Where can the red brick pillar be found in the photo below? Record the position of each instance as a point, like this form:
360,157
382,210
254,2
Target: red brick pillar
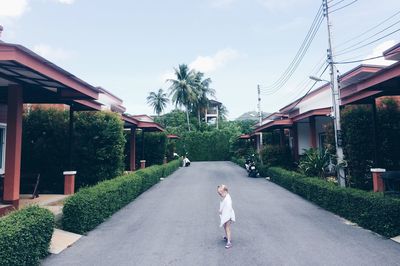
142,164
13,147
132,162
377,180
69,182
313,133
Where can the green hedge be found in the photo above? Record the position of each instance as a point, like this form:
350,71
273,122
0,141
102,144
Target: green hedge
370,210
91,206
98,150
206,146
25,236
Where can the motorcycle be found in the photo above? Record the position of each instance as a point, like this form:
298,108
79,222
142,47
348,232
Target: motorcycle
250,166
252,172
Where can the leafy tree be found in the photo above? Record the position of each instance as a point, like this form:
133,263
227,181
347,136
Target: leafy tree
158,100
183,88
203,92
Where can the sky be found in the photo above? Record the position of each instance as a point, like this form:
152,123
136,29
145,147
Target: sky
131,47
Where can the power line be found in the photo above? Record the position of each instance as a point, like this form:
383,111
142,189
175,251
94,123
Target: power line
303,46
339,8
366,39
368,30
336,3
365,59
380,38
309,90
293,68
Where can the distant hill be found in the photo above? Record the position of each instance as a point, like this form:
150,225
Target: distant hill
252,115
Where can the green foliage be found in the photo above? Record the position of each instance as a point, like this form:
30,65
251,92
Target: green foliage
314,162
91,206
275,155
388,134
370,210
25,236
99,147
158,101
358,144
97,150
206,146
44,147
358,136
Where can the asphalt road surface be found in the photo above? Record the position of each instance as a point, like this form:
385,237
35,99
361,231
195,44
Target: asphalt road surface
176,223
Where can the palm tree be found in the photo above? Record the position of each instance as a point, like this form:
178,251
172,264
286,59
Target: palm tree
203,92
158,101
182,89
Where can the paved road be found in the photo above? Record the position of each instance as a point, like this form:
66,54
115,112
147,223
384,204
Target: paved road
176,223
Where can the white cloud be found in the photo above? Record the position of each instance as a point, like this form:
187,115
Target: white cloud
13,8
51,53
211,63
207,64
377,51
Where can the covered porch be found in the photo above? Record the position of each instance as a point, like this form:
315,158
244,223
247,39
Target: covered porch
26,77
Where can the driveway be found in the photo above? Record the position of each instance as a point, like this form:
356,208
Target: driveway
176,223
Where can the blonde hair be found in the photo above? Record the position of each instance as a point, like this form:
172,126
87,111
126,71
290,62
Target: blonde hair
223,187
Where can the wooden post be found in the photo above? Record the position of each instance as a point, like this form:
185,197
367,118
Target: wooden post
132,161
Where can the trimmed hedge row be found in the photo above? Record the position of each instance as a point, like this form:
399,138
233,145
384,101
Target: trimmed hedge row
25,236
91,206
370,210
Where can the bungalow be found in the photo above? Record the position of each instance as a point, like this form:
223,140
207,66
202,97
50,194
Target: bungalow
27,81
303,122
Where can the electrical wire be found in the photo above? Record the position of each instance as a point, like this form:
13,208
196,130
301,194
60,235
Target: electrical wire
371,42
366,39
339,8
368,30
309,90
365,59
294,67
304,46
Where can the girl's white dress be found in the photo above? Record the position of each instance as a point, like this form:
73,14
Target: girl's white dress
226,211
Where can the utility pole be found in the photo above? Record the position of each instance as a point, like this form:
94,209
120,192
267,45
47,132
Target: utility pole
335,100
259,115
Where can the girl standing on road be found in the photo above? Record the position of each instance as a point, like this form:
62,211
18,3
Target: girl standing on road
226,213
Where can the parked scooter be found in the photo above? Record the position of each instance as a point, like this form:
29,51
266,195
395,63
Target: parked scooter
250,166
252,172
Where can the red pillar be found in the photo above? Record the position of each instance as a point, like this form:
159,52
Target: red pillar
377,180
69,182
313,132
132,161
13,146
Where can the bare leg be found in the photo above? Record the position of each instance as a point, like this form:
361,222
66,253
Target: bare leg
226,234
227,227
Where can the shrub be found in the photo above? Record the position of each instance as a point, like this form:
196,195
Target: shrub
275,155
358,144
44,147
369,210
25,236
314,163
155,148
92,205
206,146
97,150
99,147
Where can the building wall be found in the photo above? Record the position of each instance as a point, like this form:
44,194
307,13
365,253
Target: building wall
321,100
3,113
303,132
